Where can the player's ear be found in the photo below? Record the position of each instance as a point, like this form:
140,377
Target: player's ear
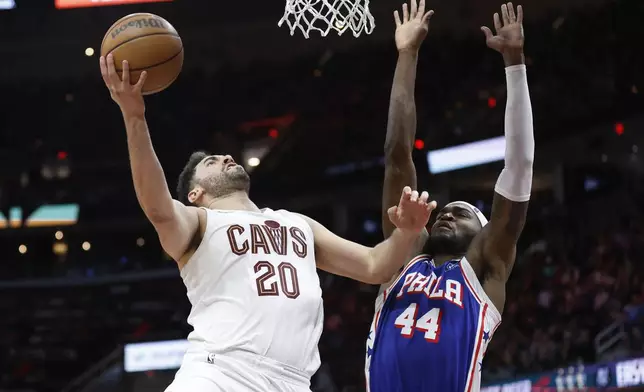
195,194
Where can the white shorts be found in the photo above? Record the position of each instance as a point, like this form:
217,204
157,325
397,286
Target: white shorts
231,372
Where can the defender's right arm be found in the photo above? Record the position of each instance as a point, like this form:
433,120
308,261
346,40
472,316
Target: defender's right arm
176,224
401,126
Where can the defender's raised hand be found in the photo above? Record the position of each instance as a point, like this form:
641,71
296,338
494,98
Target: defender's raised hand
127,96
413,28
509,32
412,212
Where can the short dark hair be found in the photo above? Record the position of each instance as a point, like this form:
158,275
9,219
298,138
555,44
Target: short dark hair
187,176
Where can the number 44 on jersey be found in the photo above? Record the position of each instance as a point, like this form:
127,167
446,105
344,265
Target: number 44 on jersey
429,323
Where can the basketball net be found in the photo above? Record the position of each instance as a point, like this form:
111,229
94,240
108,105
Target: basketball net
324,15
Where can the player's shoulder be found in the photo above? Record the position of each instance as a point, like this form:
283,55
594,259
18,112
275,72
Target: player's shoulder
424,258
281,212
292,217
419,258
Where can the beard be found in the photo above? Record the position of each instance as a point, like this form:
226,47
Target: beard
441,243
223,184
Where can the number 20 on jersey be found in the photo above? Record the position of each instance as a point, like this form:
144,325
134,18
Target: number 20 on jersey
270,282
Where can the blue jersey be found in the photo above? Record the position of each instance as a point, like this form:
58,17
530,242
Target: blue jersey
430,330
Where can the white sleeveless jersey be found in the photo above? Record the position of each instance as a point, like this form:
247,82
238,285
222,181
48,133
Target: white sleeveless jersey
253,286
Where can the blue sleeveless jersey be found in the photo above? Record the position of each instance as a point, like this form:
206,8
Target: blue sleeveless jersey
430,330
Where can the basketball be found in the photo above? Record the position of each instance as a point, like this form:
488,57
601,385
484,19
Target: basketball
149,43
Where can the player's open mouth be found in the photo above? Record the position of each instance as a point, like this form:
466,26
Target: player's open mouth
230,165
445,226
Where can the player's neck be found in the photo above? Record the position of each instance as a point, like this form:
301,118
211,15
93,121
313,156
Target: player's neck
442,259
234,201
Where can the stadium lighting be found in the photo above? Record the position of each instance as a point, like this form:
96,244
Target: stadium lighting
253,161
7,4
60,248
619,129
89,52
466,155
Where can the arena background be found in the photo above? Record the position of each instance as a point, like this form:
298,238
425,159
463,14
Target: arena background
83,280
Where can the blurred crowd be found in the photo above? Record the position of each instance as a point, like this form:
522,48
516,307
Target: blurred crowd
578,272
584,275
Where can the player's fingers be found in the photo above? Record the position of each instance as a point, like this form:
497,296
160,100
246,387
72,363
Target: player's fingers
125,76
413,5
421,9
141,81
397,18
392,212
406,194
519,14
511,15
424,197
504,14
431,206
405,13
497,22
103,65
487,32
428,16
111,71
414,197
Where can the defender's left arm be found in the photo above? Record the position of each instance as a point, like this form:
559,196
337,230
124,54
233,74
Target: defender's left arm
512,190
495,247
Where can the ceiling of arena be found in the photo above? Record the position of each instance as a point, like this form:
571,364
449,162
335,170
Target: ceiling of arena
327,97
35,34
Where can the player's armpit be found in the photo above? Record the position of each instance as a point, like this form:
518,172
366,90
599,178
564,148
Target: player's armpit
368,265
495,247
179,233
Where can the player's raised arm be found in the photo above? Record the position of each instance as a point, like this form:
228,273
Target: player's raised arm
411,30
496,245
175,223
378,264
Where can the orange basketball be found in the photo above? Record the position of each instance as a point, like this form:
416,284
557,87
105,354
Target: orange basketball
149,43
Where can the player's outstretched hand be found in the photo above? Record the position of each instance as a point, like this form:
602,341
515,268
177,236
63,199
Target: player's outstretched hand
128,96
509,30
412,212
412,29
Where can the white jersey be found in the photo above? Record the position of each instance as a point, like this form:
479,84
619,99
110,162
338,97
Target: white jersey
254,288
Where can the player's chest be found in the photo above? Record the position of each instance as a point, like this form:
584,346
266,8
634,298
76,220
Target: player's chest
423,283
432,304
273,259
265,238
